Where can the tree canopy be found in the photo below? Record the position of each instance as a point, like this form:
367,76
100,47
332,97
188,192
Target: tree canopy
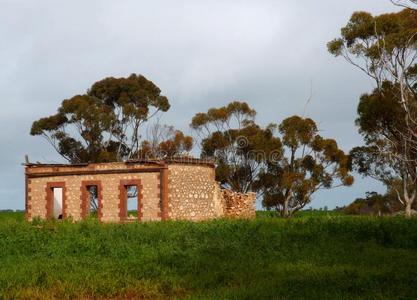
285,164
385,48
240,146
309,163
164,141
382,46
104,123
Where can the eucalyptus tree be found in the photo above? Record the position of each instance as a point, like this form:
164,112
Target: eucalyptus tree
385,48
309,163
104,123
285,165
240,147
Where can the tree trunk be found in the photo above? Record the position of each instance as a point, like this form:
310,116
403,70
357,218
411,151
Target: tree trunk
408,209
286,209
408,202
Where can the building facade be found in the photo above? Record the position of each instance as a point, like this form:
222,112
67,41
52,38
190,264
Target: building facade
182,189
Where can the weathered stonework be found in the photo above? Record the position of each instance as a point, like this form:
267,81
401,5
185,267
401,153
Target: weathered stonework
175,189
238,205
191,192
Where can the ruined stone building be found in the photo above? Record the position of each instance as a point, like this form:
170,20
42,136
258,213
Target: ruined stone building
158,190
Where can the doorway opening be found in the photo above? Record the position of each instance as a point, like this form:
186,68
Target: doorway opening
55,200
57,194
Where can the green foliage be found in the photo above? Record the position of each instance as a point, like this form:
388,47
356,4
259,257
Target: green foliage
385,48
285,170
377,204
309,163
381,121
240,146
239,112
103,124
374,204
308,257
370,36
379,113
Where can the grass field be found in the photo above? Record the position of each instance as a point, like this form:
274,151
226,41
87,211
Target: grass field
313,256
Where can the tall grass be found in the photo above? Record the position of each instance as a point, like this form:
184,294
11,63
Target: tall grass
325,257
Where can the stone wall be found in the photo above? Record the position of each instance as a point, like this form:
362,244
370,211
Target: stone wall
110,194
238,205
195,195
191,191
218,200
176,190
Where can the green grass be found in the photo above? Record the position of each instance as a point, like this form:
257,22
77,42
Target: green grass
325,256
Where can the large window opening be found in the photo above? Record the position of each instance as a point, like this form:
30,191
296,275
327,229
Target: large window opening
132,202
57,194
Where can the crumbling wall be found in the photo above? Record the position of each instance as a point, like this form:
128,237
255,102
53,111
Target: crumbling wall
238,205
218,201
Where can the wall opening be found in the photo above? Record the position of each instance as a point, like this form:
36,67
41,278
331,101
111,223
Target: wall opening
91,196
55,200
57,194
92,199
132,200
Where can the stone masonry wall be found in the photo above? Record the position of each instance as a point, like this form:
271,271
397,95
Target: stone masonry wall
218,201
193,193
150,200
191,190
239,205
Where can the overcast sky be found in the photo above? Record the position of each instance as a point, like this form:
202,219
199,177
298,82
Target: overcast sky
200,53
